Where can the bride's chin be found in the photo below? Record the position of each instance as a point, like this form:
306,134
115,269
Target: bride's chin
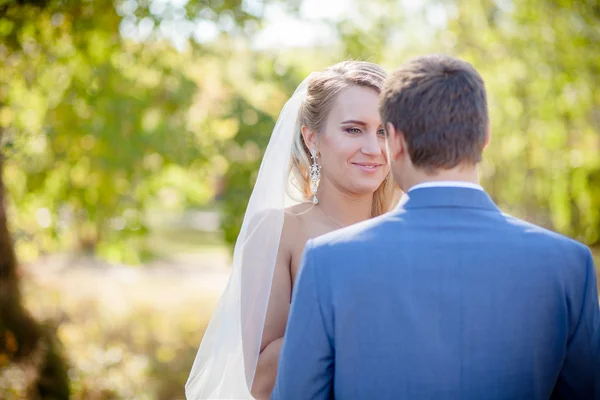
367,188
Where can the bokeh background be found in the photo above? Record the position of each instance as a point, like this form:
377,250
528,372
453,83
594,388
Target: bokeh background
132,130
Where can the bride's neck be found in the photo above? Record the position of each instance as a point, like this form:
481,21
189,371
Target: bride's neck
342,207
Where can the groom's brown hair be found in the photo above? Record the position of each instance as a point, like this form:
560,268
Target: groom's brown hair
439,104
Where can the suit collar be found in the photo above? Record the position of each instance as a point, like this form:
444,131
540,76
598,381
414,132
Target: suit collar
428,197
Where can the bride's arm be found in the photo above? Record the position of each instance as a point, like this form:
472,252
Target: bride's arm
275,321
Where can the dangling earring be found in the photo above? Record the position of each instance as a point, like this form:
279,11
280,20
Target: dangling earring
315,176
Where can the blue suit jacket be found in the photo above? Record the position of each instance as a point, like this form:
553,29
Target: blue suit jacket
444,298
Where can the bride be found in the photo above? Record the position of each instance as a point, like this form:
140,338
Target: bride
325,168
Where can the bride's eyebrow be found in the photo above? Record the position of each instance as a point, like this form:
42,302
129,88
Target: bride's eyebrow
353,121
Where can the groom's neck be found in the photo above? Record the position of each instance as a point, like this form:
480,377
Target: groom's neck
458,174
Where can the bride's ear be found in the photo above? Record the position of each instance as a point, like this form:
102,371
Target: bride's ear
310,137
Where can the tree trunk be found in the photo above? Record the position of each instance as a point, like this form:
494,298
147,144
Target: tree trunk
19,333
23,341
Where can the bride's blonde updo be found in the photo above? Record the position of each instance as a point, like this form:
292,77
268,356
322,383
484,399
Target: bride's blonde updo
322,92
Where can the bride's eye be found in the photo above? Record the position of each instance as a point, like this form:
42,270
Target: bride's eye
382,132
354,131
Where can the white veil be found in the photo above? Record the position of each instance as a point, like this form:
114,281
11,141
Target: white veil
226,361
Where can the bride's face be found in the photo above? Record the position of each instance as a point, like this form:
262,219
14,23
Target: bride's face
352,145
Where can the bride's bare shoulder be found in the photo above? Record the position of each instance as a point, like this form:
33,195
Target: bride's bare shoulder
295,215
298,210
293,222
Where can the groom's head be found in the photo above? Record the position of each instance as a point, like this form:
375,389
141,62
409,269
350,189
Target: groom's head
435,112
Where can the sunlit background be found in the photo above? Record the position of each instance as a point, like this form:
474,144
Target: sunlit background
132,131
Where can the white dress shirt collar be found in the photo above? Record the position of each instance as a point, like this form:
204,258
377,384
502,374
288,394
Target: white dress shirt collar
446,184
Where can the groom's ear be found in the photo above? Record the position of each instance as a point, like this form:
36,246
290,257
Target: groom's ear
488,135
309,136
395,141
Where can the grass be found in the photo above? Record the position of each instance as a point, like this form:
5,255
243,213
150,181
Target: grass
131,332
126,337
168,241
169,234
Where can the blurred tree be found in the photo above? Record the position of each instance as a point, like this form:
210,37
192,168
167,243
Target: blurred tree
255,117
95,123
95,128
104,120
540,63
22,339
368,32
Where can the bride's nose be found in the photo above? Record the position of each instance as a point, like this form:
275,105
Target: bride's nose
371,145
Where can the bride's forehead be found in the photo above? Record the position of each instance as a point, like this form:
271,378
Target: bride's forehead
356,103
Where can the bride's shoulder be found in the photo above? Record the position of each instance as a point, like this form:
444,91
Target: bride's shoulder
293,221
293,218
296,214
298,209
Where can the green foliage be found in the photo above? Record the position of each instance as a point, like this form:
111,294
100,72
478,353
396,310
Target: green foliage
539,63
367,35
100,131
256,116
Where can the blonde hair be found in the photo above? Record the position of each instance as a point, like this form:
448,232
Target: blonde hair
321,94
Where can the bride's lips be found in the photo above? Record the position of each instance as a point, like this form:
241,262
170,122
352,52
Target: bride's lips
368,167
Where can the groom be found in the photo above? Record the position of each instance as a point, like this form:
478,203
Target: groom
446,297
